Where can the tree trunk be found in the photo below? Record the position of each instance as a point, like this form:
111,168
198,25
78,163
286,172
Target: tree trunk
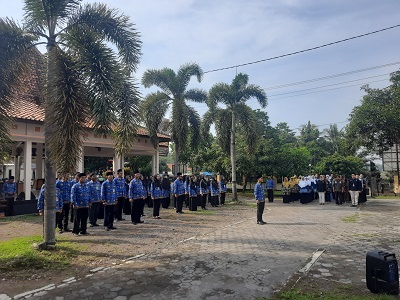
233,157
176,158
49,231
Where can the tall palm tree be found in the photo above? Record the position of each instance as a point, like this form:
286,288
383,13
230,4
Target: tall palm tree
174,93
84,79
333,136
237,114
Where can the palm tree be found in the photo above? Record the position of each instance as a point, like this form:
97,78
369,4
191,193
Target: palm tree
84,79
174,93
237,114
333,136
308,133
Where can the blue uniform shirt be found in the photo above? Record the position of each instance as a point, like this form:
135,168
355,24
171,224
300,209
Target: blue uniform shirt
178,187
192,190
108,194
80,195
156,191
95,191
136,189
270,184
59,202
65,190
259,192
214,191
9,188
222,187
120,187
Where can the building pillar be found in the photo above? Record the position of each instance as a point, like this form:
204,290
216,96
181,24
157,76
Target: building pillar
80,163
156,162
27,169
39,161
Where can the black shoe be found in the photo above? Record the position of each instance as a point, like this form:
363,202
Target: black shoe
216,206
141,222
134,223
84,233
122,219
263,222
107,229
91,225
96,225
113,227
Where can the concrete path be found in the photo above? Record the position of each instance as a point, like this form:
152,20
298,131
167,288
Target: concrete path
241,260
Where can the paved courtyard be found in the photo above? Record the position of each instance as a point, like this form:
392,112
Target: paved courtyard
243,260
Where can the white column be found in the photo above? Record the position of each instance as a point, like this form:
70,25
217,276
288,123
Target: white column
27,169
39,161
156,162
80,164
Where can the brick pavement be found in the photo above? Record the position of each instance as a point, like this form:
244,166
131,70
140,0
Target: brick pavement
242,260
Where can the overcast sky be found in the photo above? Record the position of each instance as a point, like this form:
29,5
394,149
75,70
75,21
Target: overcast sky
223,33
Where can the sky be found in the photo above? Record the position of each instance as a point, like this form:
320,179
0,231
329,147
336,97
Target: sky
223,33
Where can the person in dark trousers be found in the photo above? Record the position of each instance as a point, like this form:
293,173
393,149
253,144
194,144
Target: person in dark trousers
156,192
222,189
109,199
120,190
59,207
166,189
260,199
338,188
95,193
193,193
65,185
179,192
214,191
136,197
321,189
270,186
9,190
355,188
204,191
81,201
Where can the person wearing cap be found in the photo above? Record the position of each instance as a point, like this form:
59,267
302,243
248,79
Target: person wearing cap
59,206
81,201
179,192
136,196
9,190
120,190
109,198
95,194
260,199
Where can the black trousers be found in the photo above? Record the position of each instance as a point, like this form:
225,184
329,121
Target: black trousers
174,198
187,200
339,197
179,202
150,202
136,210
142,203
127,207
165,202
119,207
260,211
59,219
214,200
10,206
109,211
203,200
80,219
222,198
270,195
193,203
156,207
94,212
66,209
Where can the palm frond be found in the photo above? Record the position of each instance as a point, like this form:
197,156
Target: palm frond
248,125
254,91
164,78
195,125
223,121
206,122
196,95
180,115
66,110
112,26
185,73
128,98
220,93
240,81
153,109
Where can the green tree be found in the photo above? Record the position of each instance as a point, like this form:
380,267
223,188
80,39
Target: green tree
237,114
333,135
174,92
84,79
341,165
308,133
293,161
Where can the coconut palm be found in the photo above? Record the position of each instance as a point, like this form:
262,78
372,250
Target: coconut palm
174,94
91,51
236,116
333,135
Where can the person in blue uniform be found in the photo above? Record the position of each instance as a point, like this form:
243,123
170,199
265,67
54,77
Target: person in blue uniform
65,185
204,191
214,191
179,193
166,189
222,189
156,192
260,200
9,190
192,189
109,198
59,207
95,194
270,186
136,197
81,201
120,190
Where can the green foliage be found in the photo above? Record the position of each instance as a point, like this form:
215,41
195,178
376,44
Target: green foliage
141,163
297,294
341,165
293,161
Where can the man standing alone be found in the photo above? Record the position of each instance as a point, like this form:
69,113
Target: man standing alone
260,200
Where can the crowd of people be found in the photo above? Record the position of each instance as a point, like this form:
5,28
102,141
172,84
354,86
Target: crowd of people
85,198
325,188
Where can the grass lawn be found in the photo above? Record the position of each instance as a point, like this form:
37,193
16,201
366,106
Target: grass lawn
19,254
333,295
